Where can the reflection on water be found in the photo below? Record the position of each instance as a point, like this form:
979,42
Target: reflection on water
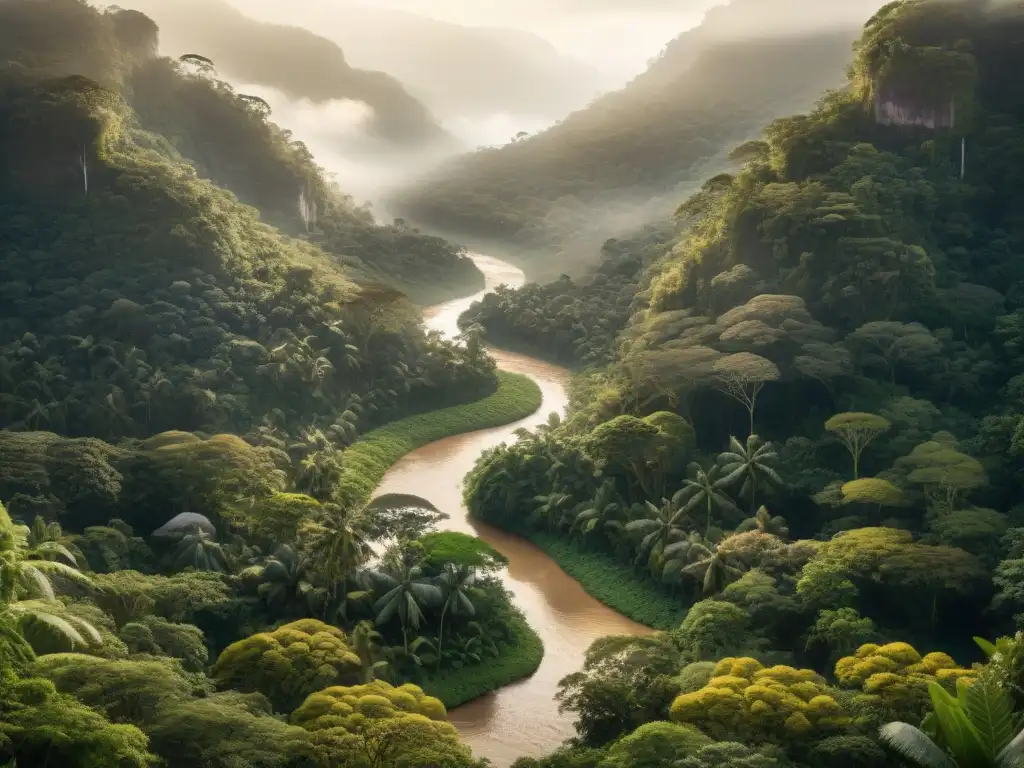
521,719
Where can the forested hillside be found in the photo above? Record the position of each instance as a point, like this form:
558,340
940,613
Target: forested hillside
575,321
298,62
554,197
230,139
810,432
192,571
215,317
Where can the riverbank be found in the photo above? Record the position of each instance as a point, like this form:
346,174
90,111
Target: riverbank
518,659
365,462
614,584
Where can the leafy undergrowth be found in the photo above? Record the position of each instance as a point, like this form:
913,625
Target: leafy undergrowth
614,584
518,659
366,461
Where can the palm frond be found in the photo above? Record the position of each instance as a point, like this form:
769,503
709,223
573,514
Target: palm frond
1012,755
913,745
642,525
731,476
387,609
61,569
56,548
39,581
87,629
428,593
50,623
677,548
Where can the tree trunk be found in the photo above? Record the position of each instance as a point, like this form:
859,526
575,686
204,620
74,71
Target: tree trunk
440,636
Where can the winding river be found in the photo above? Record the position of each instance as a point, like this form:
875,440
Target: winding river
521,719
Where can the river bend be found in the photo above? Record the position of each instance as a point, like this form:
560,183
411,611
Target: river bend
521,719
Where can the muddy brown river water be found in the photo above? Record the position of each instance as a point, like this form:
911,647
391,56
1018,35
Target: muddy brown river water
521,719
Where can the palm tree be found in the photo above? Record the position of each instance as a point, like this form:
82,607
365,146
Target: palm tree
660,526
407,592
46,541
284,583
466,650
27,599
710,568
750,463
680,554
197,549
601,513
455,582
763,522
419,653
700,490
977,729
339,543
550,508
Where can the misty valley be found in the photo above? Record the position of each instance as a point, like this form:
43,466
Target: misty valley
451,384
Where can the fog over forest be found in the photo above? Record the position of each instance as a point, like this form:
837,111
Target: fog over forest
485,71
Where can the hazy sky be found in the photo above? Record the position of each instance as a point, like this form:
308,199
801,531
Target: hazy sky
616,36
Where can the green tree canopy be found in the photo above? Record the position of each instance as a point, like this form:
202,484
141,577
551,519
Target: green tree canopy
856,431
289,663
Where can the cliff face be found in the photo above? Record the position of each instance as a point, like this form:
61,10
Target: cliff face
895,108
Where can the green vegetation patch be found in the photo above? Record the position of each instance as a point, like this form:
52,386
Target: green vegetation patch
462,549
614,584
518,659
366,461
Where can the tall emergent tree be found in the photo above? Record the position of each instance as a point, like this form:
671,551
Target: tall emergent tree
856,431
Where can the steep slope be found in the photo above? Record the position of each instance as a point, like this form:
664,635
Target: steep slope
229,138
836,341
457,71
622,159
139,297
300,63
863,215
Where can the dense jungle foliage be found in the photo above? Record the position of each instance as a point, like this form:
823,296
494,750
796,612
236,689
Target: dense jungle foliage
575,322
216,321
228,138
700,97
188,576
809,433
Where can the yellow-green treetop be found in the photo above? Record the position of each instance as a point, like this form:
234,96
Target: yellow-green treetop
872,490
376,725
288,664
762,704
349,707
856,431
892,679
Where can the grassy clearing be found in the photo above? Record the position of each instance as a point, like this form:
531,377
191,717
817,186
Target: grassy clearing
517,660
366,460
614,584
